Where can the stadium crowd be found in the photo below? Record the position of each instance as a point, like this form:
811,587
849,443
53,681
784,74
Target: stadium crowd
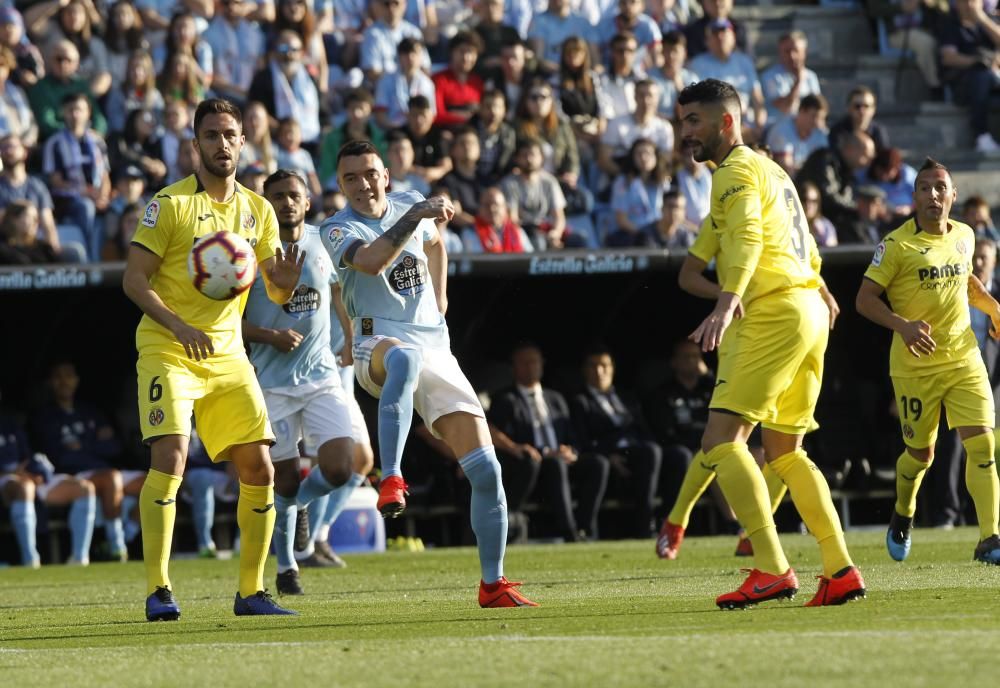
550,124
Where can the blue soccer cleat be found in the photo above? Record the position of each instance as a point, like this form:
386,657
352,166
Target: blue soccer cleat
161,606
259,604
897,538
988,551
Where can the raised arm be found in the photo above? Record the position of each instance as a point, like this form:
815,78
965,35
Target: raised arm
916,334
981,299
437,264
281,273
374,258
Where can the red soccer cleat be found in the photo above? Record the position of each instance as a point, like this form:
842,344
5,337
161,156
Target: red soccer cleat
744,548
392,496
502,593
845,586
760,587
668,542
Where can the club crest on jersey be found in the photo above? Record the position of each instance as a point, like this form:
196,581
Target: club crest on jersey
152,214
908,431
249,221
156,416
879,254
304,303
336,237
960,247
408,276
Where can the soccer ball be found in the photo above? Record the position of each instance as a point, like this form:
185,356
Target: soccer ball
222,265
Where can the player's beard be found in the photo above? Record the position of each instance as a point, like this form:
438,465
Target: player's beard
214,168
706,150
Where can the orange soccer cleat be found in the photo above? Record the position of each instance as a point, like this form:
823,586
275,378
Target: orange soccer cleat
844,586
668,542
392,493
760,587
502,593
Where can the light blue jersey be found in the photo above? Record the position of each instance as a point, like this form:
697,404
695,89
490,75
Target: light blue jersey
337,337
308,313
399,302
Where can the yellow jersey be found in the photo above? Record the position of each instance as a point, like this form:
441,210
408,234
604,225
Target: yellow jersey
763,234
176,217
926,277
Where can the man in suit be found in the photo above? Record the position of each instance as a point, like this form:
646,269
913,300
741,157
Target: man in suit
537,446
610,424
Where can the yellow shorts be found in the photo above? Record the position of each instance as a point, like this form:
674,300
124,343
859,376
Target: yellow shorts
771,363
222,393
964,392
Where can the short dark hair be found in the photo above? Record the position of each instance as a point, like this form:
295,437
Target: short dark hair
672,193
470,38
418,102
396,135
932,164
973,201
675,37
814,101
216,106
711,92
491,92
464,130
359,95
283,174
597,349
861,90
526,143
622,37
71,98
525,345
409,45
354,148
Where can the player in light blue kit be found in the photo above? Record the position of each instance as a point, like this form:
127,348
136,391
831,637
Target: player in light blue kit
298,373
393,269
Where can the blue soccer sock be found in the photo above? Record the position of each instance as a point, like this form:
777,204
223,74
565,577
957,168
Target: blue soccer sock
395,406
284,531
114,532
335,505
81,526
489,509
313,487
24,520
201,488
129,503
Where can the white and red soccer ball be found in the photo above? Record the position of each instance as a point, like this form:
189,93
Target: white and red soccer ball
222,265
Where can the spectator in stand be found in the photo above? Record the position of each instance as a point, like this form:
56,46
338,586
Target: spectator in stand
30,66
16,116
381,38
535,199
129,190
452,241
394,90
673,230
860,117
494,230
78,22
579,96
400,165
61,80
912,25
832,171
187,159
19,242
176,128
298,16
157,15
518,13
632,18
976,213
695,182
820,226
669,15
75,163
788,81
889,173
549,31
17,185
724,62
258,147
512,76
497,138
672,76
179,81
874,220
206,481
430,148
136,91
78,440
457,88
794,138
637,194
237,49
123,36
970,59
183,38
350,18
644,123
609,424
714,10
536,446
118,242
287,91
23,479
290,155
495,35
616,88
138,145
253,176
357,127
463,182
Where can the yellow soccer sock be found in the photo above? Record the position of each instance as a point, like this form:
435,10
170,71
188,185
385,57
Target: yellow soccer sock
909,474
157,511
745,490
696,481
255,517
776,487
811,496
981,480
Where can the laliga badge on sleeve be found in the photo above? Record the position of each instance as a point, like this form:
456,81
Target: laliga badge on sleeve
152,213
879,254
336,237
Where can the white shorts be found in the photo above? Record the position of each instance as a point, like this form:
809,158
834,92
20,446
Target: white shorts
223,486
127,475
42,491
313,413
442,387
358,425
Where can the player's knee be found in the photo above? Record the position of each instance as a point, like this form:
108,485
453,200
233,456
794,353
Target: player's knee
286,477
364,459
403,362
86,488
926,454
21,490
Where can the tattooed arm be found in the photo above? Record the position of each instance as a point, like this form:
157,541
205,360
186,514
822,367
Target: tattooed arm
375,257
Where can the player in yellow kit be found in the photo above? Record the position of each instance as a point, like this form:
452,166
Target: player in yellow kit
925,269
773,364
191,356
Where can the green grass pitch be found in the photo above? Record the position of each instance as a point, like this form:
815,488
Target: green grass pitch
612,615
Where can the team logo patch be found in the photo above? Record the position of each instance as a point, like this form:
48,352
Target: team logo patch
249,221
879,254
336,237
367,327
408,277
960,247
156,416
908,431
151,215
304,303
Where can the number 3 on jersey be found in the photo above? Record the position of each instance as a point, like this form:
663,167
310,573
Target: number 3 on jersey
798,229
